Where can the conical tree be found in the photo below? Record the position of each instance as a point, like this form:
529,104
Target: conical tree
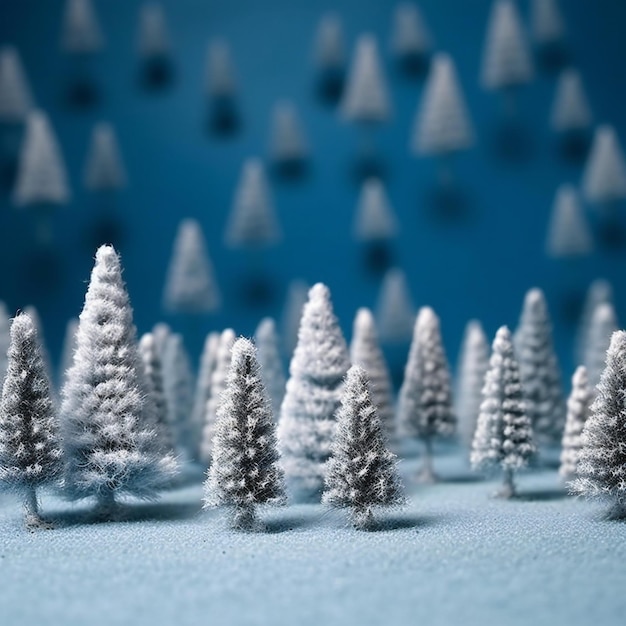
5,339
221,80
569,234
365,352
161,331
104,170
395,313
153,37
361,472
504,434
245,471
425,407
297,294
81,33
329,46
410,37
578,408
602,460
604,178
16,100
539,367
472,367
107,448
288,143
69,347
33,313
375,219
600,292
313,393
30,448
570,107
268,354
602,326
547,25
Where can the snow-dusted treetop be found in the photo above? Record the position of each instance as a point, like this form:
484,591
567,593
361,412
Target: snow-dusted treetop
287,142
410,35
442,124
366,97
604,179
104,168
153,38
190,285
395,313
41,176
292,312
546,21
506,55
570,108
568,232
15,96
221,80
329,48
375,219
81,32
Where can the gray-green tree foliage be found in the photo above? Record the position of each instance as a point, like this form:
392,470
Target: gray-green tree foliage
81,33
569,233
604,178
108,448
578,408
16,100
395,313
601,328
245,471
570,107
5,338
69,347
600,292
541,376
316,372
425,407
268,355
547,25
504,434
375,218
30,448
361,472
365,351
104,169
410,36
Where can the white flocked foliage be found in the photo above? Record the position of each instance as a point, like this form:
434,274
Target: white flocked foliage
366,352
41,173
190,285
506,55
104,168
33,313
366,97
30,447
16,100
287,142
268,354
601,328
81,33
253,221
361,472
395,313
569,233
375,218
570,108
221,79
245,471
329,47
547,25
297,294
442,124
5,337
578,408
472,367
410,36
318,366
602,459
604,178
504,434
153,38
539,367
69,347
161,331
600,292
108,449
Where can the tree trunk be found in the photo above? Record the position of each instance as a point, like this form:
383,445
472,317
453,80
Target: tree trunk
244,518
106,504
31,508
427,475
508,486
363,518
618,511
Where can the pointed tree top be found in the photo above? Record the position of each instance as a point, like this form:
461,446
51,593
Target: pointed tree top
81,30
329,51
546,22
287,141
570,108
410,35
375,219
15,96
220,72
604,178
426,317
154,39
474,333
364,320
535,302
503,338
242,349
568,233
105,169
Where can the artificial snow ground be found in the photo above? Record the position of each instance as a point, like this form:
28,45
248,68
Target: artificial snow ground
454,556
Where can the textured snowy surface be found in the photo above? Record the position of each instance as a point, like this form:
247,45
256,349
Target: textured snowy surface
454,556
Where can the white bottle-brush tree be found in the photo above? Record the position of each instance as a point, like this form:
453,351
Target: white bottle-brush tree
569,234
16,100
81,33
375,219
411,41
599,292
297,293
104,167
395,313
288,142
601,328
570,112
268,354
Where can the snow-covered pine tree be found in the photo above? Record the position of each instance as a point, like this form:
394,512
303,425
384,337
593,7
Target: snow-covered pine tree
245,471
375,218
539,367
395,313
472,366
602,459
604,178
570,107
365,351
317,369
578,407
218,385
297,294
569,233
410,37
107,448
601,328
504,434
361,472
288,143
252,222
104,169
33,313
425,407
268,354
221,80
30,448
5,339
600,292
67,353
547,25
161,331
190,286
329,47
153,38
16,100
81,33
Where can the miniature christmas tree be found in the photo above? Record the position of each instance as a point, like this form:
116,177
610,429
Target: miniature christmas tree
33,313
395,313
252,222
104,169
568,232
69,347
546,22
541,377
30,449
288,144
599,292
578,406
154,40
604,178
161,332
601,328
361,472
190,285
81,32
365,351
602,459
108,450
473,365
245,471
570,108
221,80
410,39
5,339
218,385
16,100
268,353
329,49
313,393
297,294
504,434
375,219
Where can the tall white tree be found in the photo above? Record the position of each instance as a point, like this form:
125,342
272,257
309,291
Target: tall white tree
395,313
604,178
410,37
221,79
153,40
570,107
268,355
600,292
33,313
81,32
297,294
104,167
375,218
547,25
69,347
569,233
288,143
601,328
5,338
329,45
16,100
